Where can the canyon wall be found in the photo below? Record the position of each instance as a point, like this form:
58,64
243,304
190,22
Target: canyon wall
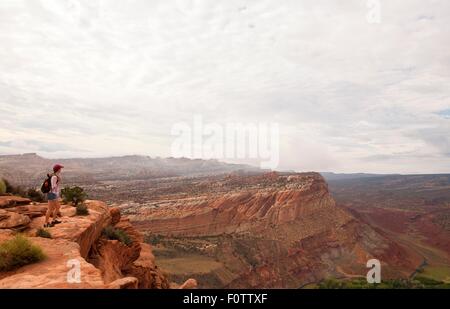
78,240
269,230
250,209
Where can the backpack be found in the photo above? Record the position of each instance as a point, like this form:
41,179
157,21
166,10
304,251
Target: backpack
47,185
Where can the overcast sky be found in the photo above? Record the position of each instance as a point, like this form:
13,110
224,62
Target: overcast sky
99,78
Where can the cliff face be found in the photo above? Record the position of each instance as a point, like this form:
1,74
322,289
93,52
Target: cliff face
255,231
103,263
255,204
266,231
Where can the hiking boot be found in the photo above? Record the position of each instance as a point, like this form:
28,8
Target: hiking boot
56,222
49,225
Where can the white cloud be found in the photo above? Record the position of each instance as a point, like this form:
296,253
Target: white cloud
113,77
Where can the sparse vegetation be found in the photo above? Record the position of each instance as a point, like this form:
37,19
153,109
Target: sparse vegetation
417,283
185,245
111,232
14,190
7,188
35,195
443,219
73,195
43,233
153,239
247,250
82,210
2,187
7,185
17,252
436,272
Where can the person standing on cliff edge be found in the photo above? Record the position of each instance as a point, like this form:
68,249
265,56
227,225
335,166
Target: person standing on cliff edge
53,197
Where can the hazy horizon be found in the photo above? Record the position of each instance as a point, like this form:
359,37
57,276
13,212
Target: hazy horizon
350,93
253,165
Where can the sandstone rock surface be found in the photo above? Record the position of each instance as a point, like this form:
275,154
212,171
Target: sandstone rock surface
265,231
11,201
77,242
53,271
13,220
32,211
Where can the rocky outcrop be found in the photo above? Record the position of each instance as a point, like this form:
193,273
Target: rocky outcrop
61,256
110,257
13,220
84,230
115,215
256,205
148,274
124,283
6,234
265,231
189,284
78,244
31,211
117,260
11,201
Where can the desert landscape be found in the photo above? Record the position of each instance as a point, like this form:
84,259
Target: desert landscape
414,210
224,153
236,226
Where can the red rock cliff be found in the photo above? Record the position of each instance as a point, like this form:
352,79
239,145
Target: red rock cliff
266,231
103,263
250,204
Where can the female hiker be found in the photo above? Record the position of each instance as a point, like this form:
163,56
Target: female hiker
53,197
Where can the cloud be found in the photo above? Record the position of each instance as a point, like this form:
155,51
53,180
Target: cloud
111,77
36,146
444,113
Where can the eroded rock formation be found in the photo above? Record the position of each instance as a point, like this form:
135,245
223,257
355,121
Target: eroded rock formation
76,241
269,230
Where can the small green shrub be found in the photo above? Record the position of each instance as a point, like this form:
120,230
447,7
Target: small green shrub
427,281
2,187
417,283
32,193
74,195
331,284
111,232
17,252
153,239
43,233
14,190
82,210
35,195
8,186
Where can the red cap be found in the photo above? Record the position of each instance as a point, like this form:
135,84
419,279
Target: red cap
57,167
